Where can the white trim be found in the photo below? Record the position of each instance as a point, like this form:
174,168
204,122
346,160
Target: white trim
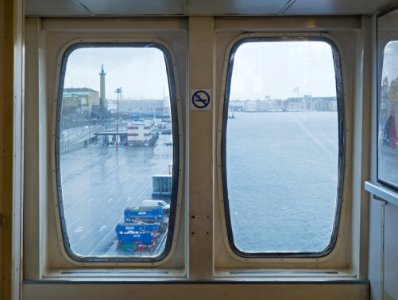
18,149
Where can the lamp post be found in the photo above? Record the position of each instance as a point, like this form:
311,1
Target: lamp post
118,92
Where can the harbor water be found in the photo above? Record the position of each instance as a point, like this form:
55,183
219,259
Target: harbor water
282,180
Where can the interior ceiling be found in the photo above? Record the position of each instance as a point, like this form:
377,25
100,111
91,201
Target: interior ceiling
60,8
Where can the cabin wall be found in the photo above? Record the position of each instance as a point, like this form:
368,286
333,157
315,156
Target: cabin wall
199,291
200,273
361,168
6,149
6,117
375,259
11,75
383,245
391,253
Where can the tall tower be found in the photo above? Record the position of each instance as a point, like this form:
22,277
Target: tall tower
102,89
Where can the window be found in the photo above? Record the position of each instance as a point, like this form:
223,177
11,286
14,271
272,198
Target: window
388,113
113,150
64,185
282,147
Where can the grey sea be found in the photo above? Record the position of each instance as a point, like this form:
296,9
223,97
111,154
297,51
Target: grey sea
282,180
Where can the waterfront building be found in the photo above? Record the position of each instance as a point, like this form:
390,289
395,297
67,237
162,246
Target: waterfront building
141,133
80,99
250,106
142,108
236,105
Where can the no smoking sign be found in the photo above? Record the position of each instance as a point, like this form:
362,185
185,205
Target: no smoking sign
200,99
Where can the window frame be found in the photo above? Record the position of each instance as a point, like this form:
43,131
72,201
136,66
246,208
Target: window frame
341,145
382,43
48,39
175,136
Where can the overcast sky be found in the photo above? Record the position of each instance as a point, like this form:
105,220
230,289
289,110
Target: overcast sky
275,69
390,62
282,70
140,72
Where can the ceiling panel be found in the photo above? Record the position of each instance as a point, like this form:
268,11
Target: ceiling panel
337,7
202,7
135,7
54,8
152,7
234,7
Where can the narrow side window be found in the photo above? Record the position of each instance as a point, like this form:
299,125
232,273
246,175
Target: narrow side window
117,152
387,163
283,147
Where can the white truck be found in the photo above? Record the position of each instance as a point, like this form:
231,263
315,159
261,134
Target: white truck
157,203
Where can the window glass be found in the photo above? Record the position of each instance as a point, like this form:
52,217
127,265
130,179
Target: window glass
281,147
388,113
116,152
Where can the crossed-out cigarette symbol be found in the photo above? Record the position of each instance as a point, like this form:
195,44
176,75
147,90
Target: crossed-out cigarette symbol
200,99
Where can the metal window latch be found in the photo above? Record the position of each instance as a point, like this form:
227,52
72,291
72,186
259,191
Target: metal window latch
378,198
381,193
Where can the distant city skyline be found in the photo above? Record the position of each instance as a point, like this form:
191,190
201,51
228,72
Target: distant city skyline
261,69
